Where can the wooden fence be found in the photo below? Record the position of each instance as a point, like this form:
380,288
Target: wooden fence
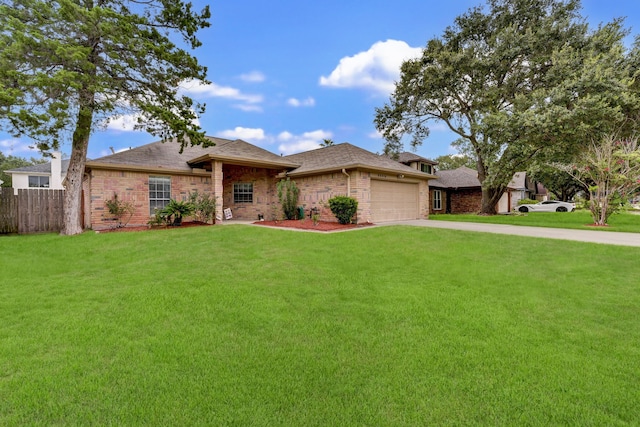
31,211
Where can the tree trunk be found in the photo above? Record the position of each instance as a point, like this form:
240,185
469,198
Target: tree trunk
490,199
490,196
73,182
73,191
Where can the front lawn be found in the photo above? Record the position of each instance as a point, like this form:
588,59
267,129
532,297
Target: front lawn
241,325
580,220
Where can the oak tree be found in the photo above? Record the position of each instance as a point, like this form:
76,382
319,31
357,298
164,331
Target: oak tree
521,80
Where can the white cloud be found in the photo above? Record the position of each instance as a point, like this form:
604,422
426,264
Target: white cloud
375,135
247,134
308,102
124,123
248,108
16,147
290,143
376,69
253,77
128,122
212,90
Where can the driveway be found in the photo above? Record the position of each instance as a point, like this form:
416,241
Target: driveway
605,237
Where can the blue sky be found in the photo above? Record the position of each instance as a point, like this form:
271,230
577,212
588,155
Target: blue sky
287,74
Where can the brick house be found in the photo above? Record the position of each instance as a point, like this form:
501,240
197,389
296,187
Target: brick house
243,177
459,191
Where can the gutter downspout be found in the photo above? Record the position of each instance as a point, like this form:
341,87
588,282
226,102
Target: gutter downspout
348,182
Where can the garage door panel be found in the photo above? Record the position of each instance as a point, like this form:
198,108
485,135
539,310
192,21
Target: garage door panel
393,200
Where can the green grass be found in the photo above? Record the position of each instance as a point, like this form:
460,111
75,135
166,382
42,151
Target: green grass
579,220
242,325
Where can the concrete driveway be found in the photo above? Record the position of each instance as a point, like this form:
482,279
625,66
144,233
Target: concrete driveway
605,237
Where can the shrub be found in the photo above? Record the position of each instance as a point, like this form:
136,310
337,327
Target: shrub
527,202
204,206
288,196
160,217
177,210
344,208
120,210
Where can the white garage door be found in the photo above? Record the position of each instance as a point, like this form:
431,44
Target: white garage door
392,201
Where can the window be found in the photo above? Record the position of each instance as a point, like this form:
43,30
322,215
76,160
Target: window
38,181
159,193
426,168
243,192
437,200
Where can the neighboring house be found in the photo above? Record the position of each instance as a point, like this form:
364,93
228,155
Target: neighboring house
243,177
459,191
44,175
417,162
455,191
520,187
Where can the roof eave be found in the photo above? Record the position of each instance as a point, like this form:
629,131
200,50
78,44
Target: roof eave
242,161
141,168
412,174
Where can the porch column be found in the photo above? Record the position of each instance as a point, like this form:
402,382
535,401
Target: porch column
216,181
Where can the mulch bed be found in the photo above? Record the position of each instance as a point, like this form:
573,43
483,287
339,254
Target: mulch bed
147,228
306,224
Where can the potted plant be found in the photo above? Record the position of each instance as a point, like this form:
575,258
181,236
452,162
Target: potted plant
176,210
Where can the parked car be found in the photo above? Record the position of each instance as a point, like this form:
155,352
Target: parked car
548,206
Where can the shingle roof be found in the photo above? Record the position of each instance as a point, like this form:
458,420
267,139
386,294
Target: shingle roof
407,157
41,168
166,156
347,156
462,177
518,182
242,152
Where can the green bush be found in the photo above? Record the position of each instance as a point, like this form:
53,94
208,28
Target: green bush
177,210
121,211
288,196
344,208
204,206
527,202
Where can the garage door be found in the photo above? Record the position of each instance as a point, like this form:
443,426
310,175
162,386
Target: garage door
392,201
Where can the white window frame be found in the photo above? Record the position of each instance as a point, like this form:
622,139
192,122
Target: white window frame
437,200
159,192
39,178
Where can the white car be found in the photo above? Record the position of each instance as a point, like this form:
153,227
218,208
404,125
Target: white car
548,206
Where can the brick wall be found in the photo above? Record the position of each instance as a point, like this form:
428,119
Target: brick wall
265,198
315,192
462,201
466,201
134,187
